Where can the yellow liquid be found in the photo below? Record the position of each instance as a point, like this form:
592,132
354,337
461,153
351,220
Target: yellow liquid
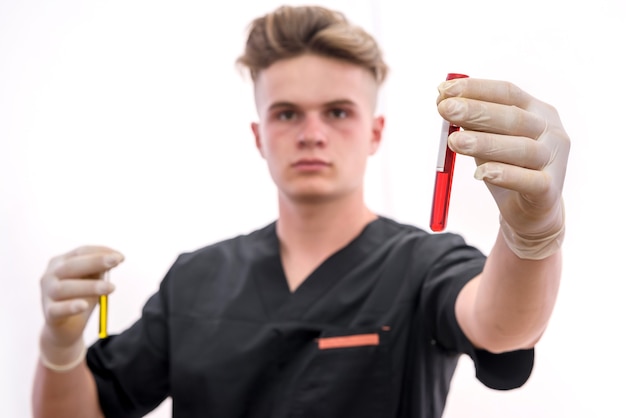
104,300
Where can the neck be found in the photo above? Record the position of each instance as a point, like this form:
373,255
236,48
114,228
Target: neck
310,232
321,228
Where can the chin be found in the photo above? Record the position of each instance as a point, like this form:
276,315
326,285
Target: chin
309,195
309,191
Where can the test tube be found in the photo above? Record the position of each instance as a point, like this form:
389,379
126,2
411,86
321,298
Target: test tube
443,176
104,311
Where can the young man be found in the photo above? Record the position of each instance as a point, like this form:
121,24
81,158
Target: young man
332,310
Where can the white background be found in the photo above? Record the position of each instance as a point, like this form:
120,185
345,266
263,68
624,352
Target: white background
125,123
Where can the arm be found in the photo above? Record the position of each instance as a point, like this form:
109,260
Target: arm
64,385
508,306
65,394
521,152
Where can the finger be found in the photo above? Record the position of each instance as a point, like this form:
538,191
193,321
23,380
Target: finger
494,91
63,309
86,249
87,265
516,150
492,117
522,180
58,290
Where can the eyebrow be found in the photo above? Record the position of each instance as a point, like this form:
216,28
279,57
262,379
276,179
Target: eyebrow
332,103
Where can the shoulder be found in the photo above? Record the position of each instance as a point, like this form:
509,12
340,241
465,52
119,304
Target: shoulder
434,260
228,250
217,260
421,240
216,271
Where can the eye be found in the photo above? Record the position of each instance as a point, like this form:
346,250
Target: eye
286,115
338,113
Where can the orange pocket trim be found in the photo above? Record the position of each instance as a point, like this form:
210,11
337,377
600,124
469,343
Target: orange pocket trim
359,340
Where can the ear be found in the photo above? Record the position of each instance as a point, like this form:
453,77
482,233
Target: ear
378,124
257,137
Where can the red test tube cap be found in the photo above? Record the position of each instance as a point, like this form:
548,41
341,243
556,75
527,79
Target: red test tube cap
452,76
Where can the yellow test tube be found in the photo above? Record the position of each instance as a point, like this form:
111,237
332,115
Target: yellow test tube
104,311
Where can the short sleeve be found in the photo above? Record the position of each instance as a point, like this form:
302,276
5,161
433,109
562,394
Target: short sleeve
131,369
458,264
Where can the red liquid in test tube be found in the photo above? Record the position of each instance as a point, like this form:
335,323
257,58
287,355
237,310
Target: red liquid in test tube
445,170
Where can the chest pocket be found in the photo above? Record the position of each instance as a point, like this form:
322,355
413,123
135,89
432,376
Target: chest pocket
348,375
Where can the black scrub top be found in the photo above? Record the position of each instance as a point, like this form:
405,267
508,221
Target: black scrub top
370,333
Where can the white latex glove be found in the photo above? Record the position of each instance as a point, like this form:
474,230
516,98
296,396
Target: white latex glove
521,152
70,288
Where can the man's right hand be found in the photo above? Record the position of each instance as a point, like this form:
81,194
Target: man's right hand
70,288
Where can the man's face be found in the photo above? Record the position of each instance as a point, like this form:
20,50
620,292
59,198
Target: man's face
316,126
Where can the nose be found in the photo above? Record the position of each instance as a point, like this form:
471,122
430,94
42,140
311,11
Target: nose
312,132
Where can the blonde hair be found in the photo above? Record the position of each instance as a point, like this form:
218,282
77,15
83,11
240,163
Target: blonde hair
292,31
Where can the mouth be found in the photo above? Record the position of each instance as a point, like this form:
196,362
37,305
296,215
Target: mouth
310,164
